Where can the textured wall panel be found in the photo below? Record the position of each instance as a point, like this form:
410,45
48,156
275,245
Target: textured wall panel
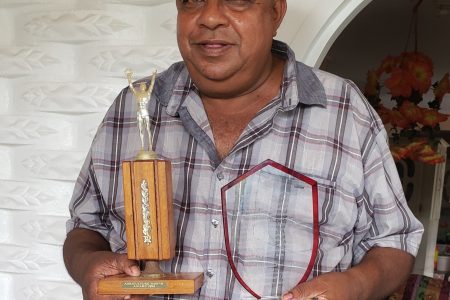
29,3
27,227
29,129
65,97
32,60
44,130
5,168
30,163
112,61
6,21
5,97
26,287
82,25
36,195
38,259
61,65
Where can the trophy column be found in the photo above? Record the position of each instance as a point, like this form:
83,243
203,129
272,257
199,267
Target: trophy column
147,189
150,235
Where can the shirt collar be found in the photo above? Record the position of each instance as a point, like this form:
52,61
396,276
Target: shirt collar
306,88
174,84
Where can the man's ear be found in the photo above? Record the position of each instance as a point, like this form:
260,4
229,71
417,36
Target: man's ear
279,10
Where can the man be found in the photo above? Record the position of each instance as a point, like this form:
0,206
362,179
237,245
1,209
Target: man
238,99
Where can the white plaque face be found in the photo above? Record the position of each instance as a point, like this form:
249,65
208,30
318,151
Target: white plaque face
270,216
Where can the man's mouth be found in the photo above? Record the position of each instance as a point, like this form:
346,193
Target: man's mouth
213,47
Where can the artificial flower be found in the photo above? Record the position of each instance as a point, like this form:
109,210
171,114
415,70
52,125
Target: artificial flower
411,112
384,113
388,64
407,151
399,83
421,76
431,117
407,78
432,159
397,119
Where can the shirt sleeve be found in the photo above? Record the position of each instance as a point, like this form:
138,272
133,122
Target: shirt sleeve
385,219
87,206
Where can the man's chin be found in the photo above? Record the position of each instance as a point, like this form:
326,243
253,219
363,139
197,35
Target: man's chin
221,89
216,73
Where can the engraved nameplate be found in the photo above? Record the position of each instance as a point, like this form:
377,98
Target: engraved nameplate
144,285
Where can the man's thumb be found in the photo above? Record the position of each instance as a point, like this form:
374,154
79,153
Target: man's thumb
129,267
304,291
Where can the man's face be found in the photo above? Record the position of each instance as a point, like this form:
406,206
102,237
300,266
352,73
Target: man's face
223,40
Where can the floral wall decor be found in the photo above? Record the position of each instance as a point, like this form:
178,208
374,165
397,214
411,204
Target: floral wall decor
413,115
414,118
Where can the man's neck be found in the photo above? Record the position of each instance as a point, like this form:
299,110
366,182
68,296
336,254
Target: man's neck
253,100
229,117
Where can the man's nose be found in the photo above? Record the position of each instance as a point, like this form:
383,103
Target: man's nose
213,15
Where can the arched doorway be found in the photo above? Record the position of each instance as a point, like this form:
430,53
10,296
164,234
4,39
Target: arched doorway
382,28
312,26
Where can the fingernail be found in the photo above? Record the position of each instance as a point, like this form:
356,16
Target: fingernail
127,297
134,270
288,296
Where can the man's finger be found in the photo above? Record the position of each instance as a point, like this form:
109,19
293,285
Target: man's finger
129,267
305,291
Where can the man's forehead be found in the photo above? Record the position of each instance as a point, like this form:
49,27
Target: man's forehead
255,1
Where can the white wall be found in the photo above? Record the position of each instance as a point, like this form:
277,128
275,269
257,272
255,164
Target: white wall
61,65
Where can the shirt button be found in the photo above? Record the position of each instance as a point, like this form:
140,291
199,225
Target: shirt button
210,273
220,176
215,223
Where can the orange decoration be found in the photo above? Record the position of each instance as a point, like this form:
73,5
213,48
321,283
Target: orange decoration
406,78
410,111
431,117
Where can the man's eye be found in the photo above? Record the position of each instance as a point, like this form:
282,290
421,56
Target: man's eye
229,2
238,3
192,3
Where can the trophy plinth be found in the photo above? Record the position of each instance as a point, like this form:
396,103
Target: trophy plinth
154,284
147,187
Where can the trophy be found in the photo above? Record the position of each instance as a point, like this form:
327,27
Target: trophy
271,228
147,188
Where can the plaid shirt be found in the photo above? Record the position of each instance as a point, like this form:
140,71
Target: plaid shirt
319,125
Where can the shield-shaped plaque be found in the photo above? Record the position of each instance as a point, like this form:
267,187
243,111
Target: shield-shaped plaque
270,218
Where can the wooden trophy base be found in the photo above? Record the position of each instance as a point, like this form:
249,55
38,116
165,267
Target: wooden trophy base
151,284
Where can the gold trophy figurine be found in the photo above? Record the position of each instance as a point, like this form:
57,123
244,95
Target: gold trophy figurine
147,189
142,96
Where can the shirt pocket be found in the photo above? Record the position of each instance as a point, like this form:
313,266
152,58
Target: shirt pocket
337,213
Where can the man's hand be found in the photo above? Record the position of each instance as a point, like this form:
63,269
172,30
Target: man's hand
329,286
101,264
381,271
88,259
